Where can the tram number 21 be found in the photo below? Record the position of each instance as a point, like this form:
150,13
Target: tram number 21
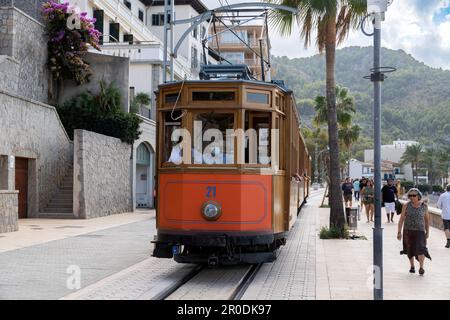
211,191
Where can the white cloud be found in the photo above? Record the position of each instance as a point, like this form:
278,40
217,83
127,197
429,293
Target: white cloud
409,26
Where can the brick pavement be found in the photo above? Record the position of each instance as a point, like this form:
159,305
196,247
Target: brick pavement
343,266
292,275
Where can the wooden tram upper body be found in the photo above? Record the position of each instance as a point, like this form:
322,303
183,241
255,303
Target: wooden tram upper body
254,201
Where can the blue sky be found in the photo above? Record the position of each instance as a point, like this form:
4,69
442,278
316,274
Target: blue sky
419,27
441,15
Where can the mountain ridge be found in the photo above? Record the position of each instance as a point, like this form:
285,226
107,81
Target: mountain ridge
415,98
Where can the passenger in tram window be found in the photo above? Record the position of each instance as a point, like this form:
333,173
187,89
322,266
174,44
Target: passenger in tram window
176,156
172,150
216,154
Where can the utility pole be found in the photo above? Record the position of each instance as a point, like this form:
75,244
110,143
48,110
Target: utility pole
166,30
377,230
316,169
376,10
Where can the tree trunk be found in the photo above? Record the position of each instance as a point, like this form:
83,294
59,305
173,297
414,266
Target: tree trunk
336,205
417,174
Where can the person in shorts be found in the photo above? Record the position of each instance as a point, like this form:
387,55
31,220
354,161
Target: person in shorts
347,190
389,194
444,204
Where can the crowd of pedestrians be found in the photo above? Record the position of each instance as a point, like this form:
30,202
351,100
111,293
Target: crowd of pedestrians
414,220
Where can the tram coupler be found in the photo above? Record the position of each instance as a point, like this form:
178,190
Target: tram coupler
213,261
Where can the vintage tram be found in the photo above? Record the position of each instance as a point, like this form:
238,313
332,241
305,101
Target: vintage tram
232,168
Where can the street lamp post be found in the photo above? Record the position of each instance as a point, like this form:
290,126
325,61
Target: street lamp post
316,169
376,10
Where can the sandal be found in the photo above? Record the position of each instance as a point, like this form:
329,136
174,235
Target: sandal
421,271
412,270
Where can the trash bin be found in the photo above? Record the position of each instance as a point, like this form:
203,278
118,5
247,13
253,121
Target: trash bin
352,217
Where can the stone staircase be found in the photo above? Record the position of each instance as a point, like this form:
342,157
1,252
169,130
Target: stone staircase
61,204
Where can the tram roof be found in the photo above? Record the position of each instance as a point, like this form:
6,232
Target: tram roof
228,81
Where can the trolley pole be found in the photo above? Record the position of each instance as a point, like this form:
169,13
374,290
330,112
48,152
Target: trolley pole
166,31
377,230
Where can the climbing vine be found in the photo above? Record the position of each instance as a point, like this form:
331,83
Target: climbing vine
71,34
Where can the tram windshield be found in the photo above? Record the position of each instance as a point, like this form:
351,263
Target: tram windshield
213,137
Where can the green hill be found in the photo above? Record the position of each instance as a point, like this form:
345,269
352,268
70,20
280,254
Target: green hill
416,98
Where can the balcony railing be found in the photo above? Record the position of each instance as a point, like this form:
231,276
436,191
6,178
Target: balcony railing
254,43
144,52
126,18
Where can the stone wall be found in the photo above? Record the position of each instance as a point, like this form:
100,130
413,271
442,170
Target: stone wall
30,7
436,218
102,175
104,67
23,39
9,211
9,74
31,129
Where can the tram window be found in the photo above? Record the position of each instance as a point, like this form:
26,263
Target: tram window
213,96
209,144
253,97
172,152
257,152
171,98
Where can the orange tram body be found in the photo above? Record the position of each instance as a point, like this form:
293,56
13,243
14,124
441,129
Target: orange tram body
241,208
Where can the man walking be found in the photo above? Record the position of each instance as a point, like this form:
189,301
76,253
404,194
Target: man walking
444,204
389,194
347,188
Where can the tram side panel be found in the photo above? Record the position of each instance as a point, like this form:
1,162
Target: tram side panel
245,202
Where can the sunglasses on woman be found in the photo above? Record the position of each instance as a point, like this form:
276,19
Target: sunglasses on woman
412,195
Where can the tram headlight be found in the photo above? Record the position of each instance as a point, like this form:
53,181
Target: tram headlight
211,210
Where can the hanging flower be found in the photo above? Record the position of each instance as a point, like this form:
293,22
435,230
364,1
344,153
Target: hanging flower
67,46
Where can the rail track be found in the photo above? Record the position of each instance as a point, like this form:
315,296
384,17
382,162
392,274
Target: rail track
227,283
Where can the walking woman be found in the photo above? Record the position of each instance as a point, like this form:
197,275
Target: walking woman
368,196
416,230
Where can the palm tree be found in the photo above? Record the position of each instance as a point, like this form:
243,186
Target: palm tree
414,155
431,162
345,107
348,136
444,163
332,19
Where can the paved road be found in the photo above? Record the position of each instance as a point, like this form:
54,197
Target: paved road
115,263
40,271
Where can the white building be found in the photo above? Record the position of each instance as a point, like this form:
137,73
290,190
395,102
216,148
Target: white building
393,153
134,29
389,170
191,48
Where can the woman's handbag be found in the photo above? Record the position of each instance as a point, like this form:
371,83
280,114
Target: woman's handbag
398,207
